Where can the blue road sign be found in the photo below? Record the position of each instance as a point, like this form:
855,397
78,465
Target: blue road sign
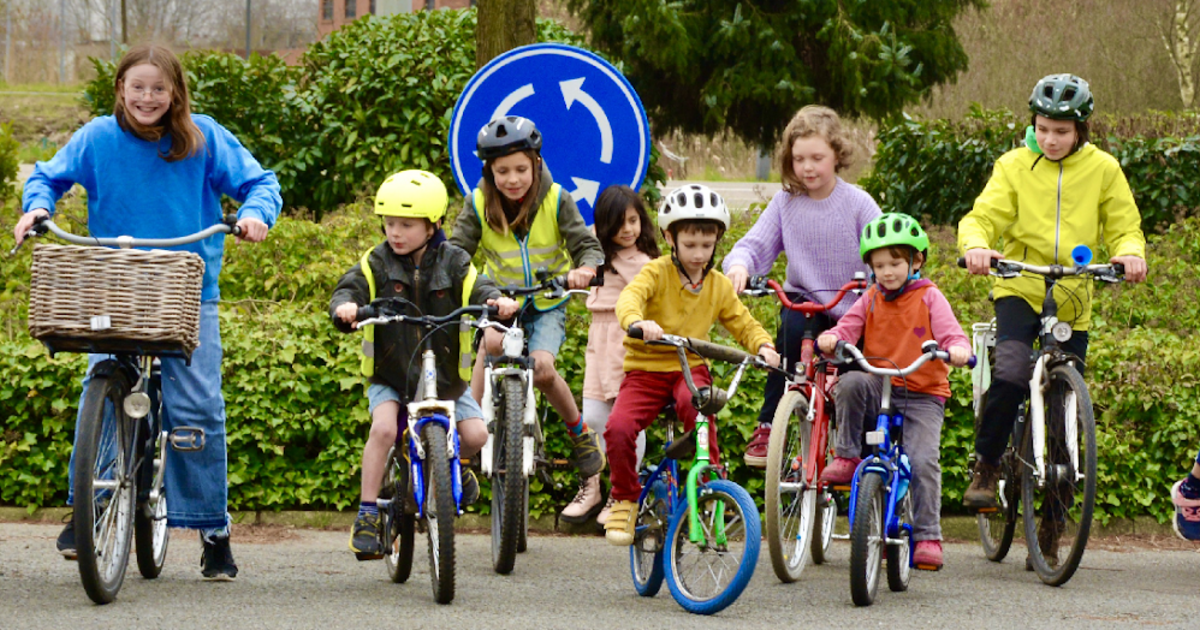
593,124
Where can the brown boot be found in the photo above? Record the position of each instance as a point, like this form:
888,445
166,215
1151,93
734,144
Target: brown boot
981,494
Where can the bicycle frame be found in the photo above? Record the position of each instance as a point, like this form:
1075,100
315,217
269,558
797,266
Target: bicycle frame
440,412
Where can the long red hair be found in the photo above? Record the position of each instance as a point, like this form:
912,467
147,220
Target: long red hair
186,138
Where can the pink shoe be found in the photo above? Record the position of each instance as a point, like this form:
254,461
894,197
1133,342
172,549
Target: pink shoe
1187,514
928,555
841,471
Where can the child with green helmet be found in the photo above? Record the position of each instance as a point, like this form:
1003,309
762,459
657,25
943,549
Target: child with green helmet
1045,198
900,311
416,263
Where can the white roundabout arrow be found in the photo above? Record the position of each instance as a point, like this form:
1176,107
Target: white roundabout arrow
514,97
573,91
585,189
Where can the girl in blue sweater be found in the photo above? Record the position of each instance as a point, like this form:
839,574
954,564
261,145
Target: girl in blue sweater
155,170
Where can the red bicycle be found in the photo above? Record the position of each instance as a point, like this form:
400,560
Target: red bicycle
797,503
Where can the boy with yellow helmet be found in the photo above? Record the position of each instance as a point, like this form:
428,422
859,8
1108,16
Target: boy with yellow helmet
418,264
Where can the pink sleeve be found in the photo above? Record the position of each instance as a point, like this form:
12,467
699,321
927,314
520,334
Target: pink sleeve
946,329
850,327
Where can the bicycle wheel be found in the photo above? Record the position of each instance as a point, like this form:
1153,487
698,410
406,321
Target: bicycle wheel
791,499
996,528
867,539
509,484
708,575
823,522
899,556
649,538
440,512
1058,511
523,534
398,522
150,532
104,487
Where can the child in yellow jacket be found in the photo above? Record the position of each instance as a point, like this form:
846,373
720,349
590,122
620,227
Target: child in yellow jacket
681,295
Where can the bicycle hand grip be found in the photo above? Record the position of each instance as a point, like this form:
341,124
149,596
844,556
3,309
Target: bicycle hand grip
597,280
962,263
365,313
634,332
1118,268
972,362
231,220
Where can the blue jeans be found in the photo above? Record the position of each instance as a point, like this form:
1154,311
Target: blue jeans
196,485
545,330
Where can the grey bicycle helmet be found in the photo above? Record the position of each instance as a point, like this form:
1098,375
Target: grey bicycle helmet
1062,97
506,135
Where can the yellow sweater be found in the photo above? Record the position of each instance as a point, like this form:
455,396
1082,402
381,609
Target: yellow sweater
658,294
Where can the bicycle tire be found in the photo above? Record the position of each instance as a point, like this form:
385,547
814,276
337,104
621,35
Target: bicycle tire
866,539
742,528
508,479
104,521
824,521
649,540
523,534
399,524
150,532
899,557
790,513
1062,493
996,528
440,512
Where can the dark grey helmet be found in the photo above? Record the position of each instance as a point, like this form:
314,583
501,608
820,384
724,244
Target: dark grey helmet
507,135
1062,97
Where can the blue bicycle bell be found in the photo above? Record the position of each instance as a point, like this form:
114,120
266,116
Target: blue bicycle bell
1082,255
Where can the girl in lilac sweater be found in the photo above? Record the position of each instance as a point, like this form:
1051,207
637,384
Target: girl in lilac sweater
816,220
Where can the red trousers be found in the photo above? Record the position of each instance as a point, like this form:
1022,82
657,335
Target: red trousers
639,401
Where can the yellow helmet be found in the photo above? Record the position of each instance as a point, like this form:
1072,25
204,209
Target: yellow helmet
412,193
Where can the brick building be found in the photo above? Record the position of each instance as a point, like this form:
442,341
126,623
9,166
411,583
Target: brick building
333,14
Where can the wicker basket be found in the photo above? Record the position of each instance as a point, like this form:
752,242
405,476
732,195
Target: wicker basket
95,299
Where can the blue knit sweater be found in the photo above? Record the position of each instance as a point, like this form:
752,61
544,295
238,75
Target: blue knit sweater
132,191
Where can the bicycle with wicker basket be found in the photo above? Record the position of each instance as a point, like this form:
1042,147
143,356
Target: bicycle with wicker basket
136,306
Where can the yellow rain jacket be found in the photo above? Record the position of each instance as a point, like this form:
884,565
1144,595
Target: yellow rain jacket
1043,210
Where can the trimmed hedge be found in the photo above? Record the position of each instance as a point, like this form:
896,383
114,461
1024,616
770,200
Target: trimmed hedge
934,169
298,419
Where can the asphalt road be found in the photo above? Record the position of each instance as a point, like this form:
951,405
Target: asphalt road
307,579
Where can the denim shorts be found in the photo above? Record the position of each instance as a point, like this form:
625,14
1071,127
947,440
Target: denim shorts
545,330
465,407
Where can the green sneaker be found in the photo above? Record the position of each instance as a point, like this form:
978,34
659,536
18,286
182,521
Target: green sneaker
589,459
364,538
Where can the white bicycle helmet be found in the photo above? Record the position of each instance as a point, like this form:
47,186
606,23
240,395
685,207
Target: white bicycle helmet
693,201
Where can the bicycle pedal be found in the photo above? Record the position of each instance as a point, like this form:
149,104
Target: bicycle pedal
840,488
363,557
987,510
927,567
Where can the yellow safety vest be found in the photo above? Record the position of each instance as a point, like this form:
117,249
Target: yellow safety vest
465,336
509,261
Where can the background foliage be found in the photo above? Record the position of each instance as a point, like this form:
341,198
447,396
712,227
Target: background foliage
916,159
706,65
298,414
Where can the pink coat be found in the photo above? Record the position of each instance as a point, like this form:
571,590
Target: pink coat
605,349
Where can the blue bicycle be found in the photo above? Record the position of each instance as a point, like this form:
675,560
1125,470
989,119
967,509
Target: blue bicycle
703,538
880,504
423,478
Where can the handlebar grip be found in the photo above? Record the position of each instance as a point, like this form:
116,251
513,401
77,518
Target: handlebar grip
365,313
634,332
231,220
962,262
597,280
1118,268
972,362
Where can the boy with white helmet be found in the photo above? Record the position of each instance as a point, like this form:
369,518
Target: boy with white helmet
418,264
679,294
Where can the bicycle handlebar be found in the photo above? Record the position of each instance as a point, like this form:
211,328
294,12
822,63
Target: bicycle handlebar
706,349
760,286
43,224
383,311
929,348
554,287
1005,268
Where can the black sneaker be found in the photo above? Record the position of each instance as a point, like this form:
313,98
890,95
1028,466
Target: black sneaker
364,538
216,563
589,459
66,539
470,487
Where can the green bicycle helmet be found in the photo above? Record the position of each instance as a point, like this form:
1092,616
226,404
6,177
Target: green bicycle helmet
1062,97
893,228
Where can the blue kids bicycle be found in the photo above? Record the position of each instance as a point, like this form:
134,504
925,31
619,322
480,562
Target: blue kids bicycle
703,539
880,504
423,478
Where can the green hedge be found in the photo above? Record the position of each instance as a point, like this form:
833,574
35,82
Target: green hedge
298,419
934,169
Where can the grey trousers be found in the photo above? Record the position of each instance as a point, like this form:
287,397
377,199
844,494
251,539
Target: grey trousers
858,397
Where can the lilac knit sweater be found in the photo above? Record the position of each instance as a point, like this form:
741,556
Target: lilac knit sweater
819,237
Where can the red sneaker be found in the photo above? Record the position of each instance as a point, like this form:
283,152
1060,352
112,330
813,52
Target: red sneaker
756,450
840,471
928,555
